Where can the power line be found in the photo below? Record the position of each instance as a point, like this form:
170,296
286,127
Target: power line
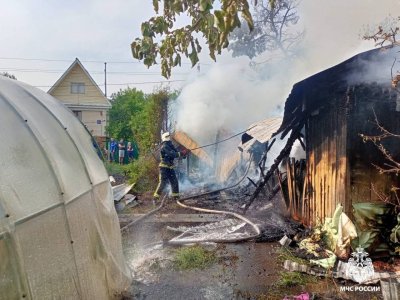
64,60
91,72
126,83
85,61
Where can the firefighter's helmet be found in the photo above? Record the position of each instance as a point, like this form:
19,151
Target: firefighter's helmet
165,137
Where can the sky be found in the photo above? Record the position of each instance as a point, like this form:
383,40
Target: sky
231,95
98,31
92,30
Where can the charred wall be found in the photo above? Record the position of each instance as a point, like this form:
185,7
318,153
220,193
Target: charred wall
326,155
340,165
335,106
366,102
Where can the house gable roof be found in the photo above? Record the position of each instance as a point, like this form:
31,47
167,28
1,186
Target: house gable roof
63,77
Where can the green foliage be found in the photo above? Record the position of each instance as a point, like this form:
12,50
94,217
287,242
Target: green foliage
126,103
161,39
284,253
138,117
113,169
144,173
288,279
194,257
147,124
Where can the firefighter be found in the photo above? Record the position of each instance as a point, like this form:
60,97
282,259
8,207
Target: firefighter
167,172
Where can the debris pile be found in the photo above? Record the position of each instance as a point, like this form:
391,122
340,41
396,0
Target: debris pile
339,248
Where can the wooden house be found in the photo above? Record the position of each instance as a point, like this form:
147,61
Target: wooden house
81,94
329,112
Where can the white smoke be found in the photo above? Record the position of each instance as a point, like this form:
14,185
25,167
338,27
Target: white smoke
379,67
228,96
233,95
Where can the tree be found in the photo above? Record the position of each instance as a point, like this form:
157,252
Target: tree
139,118
385,33
147,125
271,30
391,165
6,74
126,104
214,24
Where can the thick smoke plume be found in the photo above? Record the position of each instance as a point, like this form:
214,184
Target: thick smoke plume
236,92
227,97
232,95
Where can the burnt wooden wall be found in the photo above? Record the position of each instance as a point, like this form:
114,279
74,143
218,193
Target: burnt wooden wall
365,100
326,155
338,163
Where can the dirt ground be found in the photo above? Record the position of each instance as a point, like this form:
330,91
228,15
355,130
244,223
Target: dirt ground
247,270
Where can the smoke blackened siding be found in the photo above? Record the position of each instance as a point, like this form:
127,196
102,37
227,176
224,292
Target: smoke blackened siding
364,100
339,163
335,106
326,139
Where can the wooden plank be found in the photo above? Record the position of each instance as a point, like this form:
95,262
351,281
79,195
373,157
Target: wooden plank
293,183
334,162
304,197
289,184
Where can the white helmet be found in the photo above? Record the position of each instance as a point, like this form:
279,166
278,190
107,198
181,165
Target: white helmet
165,137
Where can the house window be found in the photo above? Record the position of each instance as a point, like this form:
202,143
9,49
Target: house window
77,87
78,114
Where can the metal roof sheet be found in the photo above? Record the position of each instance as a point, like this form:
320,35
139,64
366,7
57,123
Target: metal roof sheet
263,130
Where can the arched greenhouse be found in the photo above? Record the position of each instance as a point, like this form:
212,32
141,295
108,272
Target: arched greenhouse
59,232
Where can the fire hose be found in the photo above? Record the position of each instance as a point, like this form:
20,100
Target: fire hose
224,140
236,215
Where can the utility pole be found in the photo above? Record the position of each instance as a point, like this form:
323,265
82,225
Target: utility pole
105,79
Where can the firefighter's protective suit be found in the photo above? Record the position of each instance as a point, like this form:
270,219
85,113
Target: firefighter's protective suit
167,172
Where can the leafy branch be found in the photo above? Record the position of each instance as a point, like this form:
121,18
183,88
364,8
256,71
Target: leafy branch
162,40
391,166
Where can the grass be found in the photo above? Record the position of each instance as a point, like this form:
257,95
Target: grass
144,173
289,279
114,168
193,257
285,254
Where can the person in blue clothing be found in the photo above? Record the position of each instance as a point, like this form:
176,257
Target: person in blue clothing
113,148
166,167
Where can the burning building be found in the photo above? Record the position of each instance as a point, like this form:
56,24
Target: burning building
225,159
329,112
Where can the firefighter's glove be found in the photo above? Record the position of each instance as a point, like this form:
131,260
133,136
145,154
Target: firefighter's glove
185,152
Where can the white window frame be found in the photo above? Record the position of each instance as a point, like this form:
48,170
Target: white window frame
77,87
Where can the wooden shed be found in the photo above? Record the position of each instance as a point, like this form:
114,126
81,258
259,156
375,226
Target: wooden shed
328,112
